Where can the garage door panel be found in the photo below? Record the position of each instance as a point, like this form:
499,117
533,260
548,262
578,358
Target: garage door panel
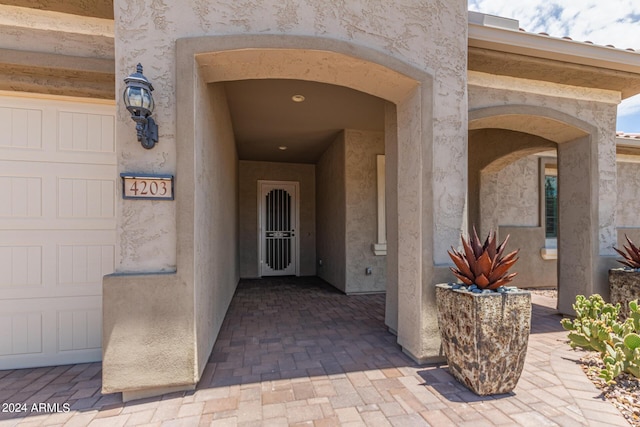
21,127
57,228
43,331
57,193
86,198
21,266
86,132
79,330
21,196
22,333
84,264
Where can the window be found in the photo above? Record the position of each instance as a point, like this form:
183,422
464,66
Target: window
551,206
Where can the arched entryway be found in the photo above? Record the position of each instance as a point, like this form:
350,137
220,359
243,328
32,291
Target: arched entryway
499,136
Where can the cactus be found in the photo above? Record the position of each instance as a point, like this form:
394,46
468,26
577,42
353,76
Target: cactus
632,255
483,265
596,327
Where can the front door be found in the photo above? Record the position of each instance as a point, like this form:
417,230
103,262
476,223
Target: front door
278,222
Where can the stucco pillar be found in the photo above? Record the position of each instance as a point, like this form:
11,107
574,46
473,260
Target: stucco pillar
391,201
586,211
417,316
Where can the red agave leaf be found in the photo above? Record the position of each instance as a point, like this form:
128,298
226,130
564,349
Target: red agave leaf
459,261
460,276
471,258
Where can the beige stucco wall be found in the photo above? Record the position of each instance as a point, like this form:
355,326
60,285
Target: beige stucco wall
147,333
250,173
56,53
361,212
628,186
215,258
518,192
170,310
403,51
582,123
347,220
331,219
510,204
409,30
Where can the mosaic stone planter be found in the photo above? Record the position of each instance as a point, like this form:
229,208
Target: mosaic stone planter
624,286
484,337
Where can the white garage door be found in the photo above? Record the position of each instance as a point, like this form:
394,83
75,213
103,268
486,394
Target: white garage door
57,228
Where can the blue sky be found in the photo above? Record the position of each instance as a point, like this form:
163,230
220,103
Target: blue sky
603,22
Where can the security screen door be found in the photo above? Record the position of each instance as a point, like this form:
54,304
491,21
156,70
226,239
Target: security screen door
278,221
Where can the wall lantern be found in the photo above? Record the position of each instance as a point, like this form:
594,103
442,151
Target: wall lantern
139,102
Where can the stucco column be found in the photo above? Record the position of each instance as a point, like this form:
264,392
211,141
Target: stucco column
417,320
391,201
586,211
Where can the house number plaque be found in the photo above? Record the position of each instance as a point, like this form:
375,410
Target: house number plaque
149,187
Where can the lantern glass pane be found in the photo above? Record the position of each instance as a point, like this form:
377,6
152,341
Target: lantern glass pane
147,100
133,96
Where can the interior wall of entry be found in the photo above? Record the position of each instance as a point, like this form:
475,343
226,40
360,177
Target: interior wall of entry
218,59
250,172
347,213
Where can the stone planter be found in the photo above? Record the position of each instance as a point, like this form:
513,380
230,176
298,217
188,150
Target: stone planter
484,337
624,286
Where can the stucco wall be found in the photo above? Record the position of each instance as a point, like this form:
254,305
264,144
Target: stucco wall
582,123
331,208
361,217
415,32
518,190
595,111
628,184
403,51
250,173
216,271
510,204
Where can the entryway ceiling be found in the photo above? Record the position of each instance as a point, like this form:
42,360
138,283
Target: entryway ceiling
265,117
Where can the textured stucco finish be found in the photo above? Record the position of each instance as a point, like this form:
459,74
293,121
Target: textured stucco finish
361,220
490,151
517,191
510,204
215,271
197,296
533,271
250,173
347,222
403,51
56,53
628,186
410,31
584,131
331,214
391,201
148,328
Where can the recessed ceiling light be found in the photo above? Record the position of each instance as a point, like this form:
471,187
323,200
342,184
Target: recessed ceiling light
297,98
282,147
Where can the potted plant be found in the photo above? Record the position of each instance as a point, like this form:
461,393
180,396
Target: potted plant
484,325
624,283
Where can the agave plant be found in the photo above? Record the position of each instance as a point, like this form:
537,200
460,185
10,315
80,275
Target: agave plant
632,255
483,264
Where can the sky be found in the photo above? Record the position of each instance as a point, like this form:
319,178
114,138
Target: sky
603,22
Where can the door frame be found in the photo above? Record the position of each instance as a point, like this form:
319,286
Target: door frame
296,214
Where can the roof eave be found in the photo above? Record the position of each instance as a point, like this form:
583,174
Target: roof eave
542,46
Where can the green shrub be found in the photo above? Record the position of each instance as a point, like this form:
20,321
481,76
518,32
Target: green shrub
596,327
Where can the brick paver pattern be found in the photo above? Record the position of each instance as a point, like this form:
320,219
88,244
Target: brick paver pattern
296,352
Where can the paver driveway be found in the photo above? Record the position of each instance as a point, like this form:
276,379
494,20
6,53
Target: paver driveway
293,351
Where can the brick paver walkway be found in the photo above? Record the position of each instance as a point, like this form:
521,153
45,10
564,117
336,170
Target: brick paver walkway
296,352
